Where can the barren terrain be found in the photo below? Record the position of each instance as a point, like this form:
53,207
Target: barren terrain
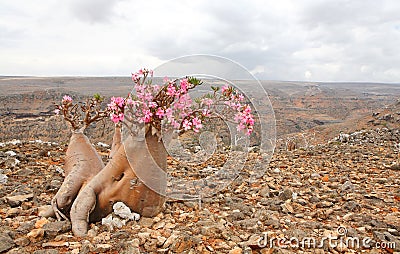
342,182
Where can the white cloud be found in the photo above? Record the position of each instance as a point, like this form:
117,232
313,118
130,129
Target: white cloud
278,40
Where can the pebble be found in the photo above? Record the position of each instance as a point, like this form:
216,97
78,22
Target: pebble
146,222
6,242
52,229
143,237
393,231
286,194
55,244
12,212
46,251
15,201
276,170
293,200
324,204
22,241
36,234
236,250
103,247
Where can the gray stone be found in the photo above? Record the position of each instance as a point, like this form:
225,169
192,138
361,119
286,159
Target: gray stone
12,212
273,223
121,234
15,201
146,222
352,206
314,199
52,229
237,215
395,167
347,187
22,241
3,179
102,247
286,194
265,192
324,204
6,242
48,251
394,231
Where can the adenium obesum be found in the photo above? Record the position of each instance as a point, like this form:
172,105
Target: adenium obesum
80,115
170,104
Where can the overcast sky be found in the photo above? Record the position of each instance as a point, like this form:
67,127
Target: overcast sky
311,40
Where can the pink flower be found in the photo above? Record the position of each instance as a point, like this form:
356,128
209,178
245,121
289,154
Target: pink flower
175,124
171,90
205,112
57,111
240,127
135,77
197,124
119,101
147,115
160,113
186,125
238,117
148,97
249,131
207,101
67,98
250,121
247,109
139,88
184,84
224,88
152,104
117,118
168,113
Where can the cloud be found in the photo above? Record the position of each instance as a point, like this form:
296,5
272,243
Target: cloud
94,11
278,40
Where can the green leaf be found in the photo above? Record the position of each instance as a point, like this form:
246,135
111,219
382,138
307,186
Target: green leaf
215,88
98,97
194,81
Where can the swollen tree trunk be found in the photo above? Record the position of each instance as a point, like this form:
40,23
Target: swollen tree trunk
117,140
82,163
137,164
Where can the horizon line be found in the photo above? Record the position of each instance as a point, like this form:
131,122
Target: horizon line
17,77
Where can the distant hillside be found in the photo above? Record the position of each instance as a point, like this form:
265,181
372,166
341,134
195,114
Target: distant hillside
26,103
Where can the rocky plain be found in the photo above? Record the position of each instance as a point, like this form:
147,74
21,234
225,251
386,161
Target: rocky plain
336,191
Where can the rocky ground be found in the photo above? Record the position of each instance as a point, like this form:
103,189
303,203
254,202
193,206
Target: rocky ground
343,194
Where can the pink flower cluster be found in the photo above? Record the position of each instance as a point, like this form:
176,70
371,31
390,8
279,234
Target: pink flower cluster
148,110
243,117
172,104
116,107
142,73
66,99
